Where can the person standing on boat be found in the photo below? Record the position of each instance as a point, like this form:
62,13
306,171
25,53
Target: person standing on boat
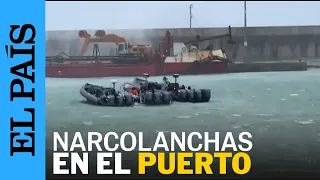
166,83
165,80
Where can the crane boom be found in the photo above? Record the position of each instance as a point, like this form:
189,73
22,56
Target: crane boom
229,34
100,36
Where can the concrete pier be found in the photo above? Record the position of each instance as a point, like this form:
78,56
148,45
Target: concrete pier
268,66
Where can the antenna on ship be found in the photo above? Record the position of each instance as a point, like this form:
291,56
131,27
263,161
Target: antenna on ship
191,6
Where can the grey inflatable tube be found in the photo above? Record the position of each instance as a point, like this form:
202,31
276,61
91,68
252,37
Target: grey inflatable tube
93,99
195,95
96,95
137,82
89,97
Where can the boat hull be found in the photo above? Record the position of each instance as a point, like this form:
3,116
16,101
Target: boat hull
108,70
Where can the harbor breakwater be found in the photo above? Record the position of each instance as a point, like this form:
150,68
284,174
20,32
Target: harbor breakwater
264,43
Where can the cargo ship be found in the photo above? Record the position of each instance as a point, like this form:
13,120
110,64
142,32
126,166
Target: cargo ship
133,60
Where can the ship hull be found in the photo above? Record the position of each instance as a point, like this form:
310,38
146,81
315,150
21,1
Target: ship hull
109,70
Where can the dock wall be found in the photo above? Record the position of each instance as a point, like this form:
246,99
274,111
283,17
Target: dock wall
264,43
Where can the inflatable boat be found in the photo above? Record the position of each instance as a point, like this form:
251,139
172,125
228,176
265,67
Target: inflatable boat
164,93
102,96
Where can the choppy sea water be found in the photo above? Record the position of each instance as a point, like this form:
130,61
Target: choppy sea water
280,109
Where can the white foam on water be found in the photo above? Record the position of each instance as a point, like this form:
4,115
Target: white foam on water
137,105
272,120
207,112
183,117
264,115
87,123
236,115
294,95
241,126
196,114
283,99
157,131
268,89
106,116
310,121
95,112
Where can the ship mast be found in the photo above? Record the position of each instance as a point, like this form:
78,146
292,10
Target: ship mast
245,42
190,20
245,23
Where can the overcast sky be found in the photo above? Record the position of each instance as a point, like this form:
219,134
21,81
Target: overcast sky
141,15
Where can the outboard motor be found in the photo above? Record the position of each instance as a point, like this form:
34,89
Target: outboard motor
146,76
113,90
144,85
114,82
176,85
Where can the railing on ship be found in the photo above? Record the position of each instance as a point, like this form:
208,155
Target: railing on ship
73,59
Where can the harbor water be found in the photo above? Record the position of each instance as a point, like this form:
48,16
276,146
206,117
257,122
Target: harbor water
280,109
